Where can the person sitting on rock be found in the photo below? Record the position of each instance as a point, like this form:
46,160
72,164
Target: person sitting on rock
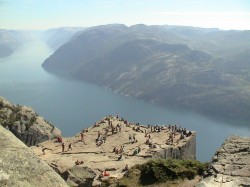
189,133
135,152
103,174
43,150
120,157
121,149
99,142
126,168
79,162
114,150
96,125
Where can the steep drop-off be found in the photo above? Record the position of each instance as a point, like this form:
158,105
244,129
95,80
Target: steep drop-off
25,123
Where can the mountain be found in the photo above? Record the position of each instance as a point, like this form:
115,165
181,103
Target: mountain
205,70
10,40
58,36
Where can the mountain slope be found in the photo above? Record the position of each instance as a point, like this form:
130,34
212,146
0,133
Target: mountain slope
10,40
58,36
168,65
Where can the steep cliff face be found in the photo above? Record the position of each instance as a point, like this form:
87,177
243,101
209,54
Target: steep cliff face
19,166
185,150
230,165
25,123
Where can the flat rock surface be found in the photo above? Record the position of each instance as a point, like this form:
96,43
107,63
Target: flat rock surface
230,165
20,167
100,158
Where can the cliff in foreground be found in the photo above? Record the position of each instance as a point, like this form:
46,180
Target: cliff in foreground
230,165
19,166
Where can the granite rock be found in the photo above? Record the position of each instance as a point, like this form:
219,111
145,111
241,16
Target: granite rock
20,167
25,123
230,167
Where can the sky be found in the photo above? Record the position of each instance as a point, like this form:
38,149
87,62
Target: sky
45,14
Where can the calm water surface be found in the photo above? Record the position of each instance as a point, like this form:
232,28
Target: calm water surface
73,105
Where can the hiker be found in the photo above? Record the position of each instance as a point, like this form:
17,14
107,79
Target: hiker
82,137
63,146
58,140
70,147
126,168
115,150
120,157
43,150
121,149
130,138
134,140
104,174
79,162
135,152
139,149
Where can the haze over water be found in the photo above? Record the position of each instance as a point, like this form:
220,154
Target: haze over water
71,105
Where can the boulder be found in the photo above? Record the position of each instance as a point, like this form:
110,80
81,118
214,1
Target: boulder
79,176
19,166
25,123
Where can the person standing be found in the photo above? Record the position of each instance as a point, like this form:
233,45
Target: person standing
63,146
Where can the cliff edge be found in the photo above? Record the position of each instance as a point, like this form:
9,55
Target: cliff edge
111,144
25,123
230,165
19,166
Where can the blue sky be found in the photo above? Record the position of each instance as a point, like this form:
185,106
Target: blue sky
44,14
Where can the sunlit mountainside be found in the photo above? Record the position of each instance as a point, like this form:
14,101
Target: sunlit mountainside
206,70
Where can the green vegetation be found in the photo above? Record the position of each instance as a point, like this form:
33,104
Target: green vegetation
170,171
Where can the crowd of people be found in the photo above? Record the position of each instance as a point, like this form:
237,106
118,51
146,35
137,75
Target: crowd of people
114,125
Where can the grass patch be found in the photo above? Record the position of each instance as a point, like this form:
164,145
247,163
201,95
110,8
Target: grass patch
168,171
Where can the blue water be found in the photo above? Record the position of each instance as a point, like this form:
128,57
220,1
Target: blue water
73,105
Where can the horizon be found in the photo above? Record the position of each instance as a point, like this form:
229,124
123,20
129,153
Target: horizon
43,15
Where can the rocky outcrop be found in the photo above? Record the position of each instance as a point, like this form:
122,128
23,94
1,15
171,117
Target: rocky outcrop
19,166
113,152
230,165
185,150
79,176
25,123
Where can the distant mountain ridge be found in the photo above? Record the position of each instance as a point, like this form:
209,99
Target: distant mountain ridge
58,36
10,40
206,70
